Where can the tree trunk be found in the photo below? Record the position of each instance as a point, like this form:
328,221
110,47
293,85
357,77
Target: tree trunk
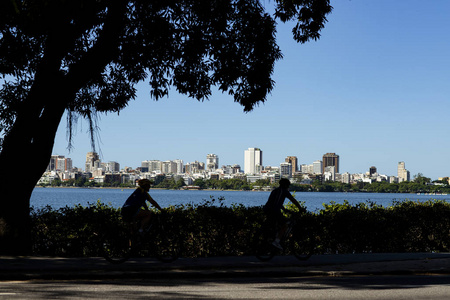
28,146
25,154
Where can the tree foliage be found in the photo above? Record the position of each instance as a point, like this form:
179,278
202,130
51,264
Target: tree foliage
85,57
101,49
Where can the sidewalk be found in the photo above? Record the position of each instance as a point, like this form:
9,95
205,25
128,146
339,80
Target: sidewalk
26,268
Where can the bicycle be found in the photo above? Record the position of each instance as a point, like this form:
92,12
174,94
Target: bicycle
299,239
126,241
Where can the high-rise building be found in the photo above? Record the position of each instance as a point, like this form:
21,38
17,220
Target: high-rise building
59,163
111,167
169,167
294,163
212,162
286,170
330,160
253,161
372,171
317,167
179,163
402,173
92,161
195,167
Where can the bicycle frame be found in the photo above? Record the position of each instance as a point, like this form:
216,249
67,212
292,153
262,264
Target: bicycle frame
301,249
119,247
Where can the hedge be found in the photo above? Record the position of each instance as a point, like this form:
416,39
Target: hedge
212,229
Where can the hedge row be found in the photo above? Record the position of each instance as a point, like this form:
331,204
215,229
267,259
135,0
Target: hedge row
211,229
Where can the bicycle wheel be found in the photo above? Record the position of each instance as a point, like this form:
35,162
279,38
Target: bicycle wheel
302,246
166,250
116,248
163,244
264,250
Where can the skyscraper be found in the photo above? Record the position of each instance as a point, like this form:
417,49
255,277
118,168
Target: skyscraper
92,161
330,160
59,163
294,163
253,161
317,167
402,173
212,162
372,171
286,170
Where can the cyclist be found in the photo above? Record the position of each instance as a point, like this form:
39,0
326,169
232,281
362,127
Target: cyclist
135,207
274,206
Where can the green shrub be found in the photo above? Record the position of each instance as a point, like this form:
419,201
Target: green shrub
212,229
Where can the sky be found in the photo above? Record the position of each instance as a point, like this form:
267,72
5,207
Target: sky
375,89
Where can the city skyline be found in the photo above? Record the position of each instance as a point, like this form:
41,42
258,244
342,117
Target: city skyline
253,162
373,89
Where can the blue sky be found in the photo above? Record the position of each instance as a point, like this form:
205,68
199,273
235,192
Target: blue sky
375,89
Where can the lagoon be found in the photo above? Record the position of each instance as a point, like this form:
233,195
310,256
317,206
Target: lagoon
60,197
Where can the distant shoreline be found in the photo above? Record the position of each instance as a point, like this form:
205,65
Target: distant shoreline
132,188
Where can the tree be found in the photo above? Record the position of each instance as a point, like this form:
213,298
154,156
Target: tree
200,183
419,178
180,183
85,57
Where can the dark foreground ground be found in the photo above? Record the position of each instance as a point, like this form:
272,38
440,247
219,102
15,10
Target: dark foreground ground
26,268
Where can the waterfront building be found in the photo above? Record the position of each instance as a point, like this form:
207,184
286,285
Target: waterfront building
254,178
253,161
169,167
59,163
92,162
195,167
294,163
346,178
317,167
180,166
402,173
372,171
330,160
286,170
151,166
308,169
212,162
234,169
329,173
111,167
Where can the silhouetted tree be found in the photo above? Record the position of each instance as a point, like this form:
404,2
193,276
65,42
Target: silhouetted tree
85,57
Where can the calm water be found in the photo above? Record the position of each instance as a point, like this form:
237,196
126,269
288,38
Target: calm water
61,197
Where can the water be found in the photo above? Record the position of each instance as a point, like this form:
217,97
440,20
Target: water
61,197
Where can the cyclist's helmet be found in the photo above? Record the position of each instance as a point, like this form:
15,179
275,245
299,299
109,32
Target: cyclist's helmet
284,183
144,182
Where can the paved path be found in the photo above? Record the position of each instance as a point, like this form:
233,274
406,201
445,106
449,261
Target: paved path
24,268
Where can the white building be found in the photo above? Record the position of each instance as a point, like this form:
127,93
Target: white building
179,163
346,178
330,173
307,169
253,161
402,173
212,162
169,167
112,167
152,165
317,167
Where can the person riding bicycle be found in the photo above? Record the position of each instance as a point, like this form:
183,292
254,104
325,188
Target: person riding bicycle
132,208
274,206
